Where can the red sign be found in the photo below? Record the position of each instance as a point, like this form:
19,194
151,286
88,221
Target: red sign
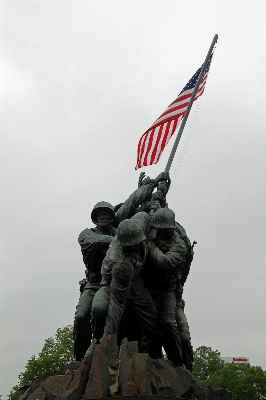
240,359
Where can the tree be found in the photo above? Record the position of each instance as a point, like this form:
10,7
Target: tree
244,381
206,362
56,352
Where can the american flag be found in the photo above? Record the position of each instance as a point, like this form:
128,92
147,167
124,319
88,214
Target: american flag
154,140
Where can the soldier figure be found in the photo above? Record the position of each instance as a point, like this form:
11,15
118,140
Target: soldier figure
129,326
94,244
187,350
162,273
122,266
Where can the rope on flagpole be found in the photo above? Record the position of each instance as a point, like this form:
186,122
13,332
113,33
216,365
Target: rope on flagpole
182,155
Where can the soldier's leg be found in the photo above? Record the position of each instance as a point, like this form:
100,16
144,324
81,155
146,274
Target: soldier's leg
99,311
82,329
122,275
144,308
182,324
129,327
171,341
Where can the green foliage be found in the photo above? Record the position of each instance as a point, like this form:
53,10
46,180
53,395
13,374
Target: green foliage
206,362
244,381
56,352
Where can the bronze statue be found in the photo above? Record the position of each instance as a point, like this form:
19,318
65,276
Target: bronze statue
162,273
124,260
116,299
94,243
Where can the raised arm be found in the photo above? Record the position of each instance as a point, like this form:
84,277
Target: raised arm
169,261
139,196
93,246
89,237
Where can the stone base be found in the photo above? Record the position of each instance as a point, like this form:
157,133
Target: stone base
109,371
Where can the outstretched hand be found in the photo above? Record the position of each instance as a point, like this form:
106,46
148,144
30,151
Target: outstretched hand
141,177
143,180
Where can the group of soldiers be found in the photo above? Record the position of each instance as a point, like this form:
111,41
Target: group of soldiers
137,260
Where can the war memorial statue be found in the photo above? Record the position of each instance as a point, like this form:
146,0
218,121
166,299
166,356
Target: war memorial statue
138,257
135,275
94,244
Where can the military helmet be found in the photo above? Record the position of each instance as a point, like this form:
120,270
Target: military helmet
102,206
144,220
163,218
129,233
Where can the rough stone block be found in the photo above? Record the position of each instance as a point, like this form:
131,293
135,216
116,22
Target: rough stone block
160,363
24,394
109,349
72,366
104,356
139,379
130,373
42,378
69,372
77,385
57,383
41,396
125,366
132,347
49,396
94,388
36,387
77,375
21,390
160,384
186,383
33,392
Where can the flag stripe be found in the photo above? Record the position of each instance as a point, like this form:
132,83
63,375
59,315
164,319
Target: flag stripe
156,144
146,146
140,148
158,150
152,132
154,140
182,100
144,138
170,116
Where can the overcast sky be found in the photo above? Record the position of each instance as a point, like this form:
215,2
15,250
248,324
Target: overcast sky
81,82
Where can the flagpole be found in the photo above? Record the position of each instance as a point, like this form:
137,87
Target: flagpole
183,123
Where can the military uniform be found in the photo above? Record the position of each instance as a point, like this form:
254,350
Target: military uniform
129,326
181,319
183,328
162,273
94,246
127,292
